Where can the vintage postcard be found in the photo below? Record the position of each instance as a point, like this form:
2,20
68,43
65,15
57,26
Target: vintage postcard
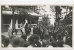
36,26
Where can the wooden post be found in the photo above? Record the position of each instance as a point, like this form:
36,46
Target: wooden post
13,18
16,23
10,26
31,30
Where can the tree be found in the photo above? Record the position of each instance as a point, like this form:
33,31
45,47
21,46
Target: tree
44,24
68,19
58,14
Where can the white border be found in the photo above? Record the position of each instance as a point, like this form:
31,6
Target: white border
38,2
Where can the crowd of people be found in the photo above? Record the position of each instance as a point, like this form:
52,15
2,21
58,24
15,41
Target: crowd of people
34,37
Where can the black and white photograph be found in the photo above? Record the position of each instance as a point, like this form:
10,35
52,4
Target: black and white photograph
38,26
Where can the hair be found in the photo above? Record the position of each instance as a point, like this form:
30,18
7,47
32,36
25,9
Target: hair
5,40
46,36
24,36
54,44
59,37
34,38
17,42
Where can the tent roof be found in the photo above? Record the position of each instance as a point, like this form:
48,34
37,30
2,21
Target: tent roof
29,12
